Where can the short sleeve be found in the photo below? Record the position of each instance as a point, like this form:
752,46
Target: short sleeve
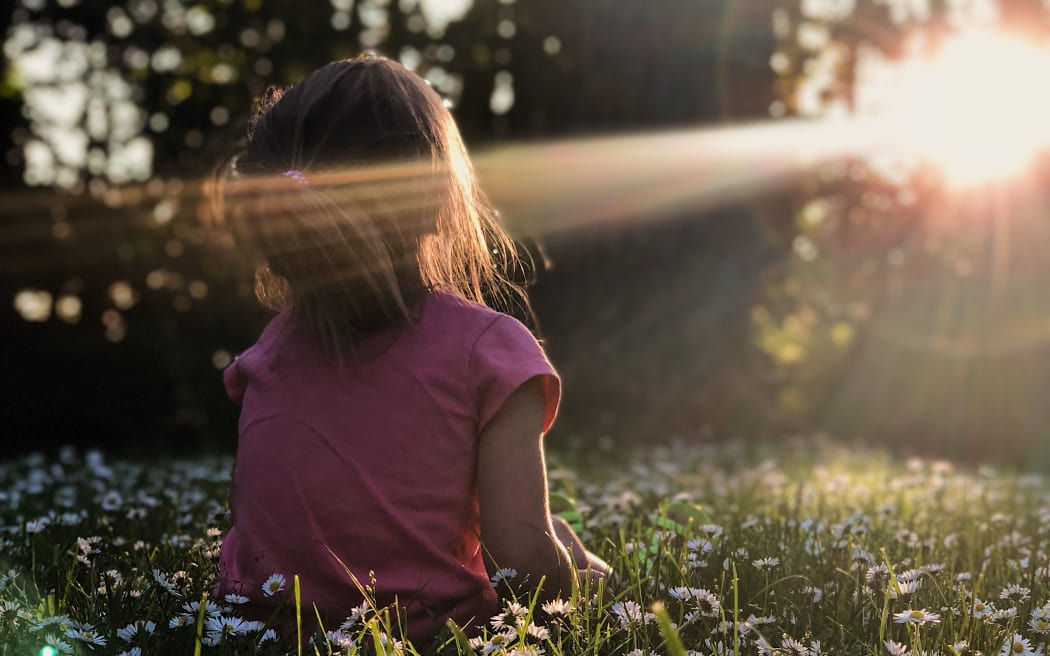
233,381
504,357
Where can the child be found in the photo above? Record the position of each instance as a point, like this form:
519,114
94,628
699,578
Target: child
391,422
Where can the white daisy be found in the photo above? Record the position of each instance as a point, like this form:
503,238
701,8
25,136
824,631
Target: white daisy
236,599
192,608
629,612
503,574
87,634
538,632
512,614
111,500
273,585
707,602
557,607
906,588
793,646
1040,625
767,563
980,609
1017,645
225,625
896,648
916,617
1016,593
59,645
128,633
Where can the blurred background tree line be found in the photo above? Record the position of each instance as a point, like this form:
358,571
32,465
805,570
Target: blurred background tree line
835,302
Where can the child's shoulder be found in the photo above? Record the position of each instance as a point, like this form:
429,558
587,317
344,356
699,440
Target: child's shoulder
470,316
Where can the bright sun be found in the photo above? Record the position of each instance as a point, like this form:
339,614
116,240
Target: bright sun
978,108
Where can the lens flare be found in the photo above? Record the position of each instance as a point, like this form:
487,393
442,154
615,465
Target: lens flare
976,108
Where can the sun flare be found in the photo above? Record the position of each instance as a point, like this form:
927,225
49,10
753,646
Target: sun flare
977,108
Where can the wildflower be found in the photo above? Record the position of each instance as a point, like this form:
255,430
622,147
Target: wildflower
714,530
134,651
180,620
680,592
270,635
503,574
815,593
1017,646
759,620
161,579
707,602
273,585
792,646
356,613
59,645
512,614
766,563
111,500
1015,593
916,617
980,609
340,638
699,545
1040,625
192,608
37,525
876,572
87,634
236,599
999,615
538,632
225,625
896,648
906,588
557,607
128,633
629,612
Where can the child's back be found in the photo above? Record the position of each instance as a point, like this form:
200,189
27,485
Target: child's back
372,467
387,421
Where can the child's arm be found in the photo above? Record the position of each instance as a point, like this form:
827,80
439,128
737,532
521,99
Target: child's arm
516,527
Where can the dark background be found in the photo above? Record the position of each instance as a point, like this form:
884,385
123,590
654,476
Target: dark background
656,327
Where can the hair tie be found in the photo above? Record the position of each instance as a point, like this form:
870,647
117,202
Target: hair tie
295,175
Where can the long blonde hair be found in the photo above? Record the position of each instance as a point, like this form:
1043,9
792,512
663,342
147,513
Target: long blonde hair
357,196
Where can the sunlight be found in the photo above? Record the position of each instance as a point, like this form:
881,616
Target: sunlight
976,109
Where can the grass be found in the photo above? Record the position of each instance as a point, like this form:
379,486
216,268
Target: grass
816,549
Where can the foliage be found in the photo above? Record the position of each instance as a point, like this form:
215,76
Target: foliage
902,306
814,549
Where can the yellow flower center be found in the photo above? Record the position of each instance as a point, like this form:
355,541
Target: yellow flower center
979,608
917,615
1042,624
1017,647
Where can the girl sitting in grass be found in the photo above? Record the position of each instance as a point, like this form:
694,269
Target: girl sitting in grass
391,422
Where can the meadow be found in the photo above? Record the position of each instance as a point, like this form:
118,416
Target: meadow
814,547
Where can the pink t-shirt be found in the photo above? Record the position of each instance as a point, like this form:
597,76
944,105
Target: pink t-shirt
374,466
